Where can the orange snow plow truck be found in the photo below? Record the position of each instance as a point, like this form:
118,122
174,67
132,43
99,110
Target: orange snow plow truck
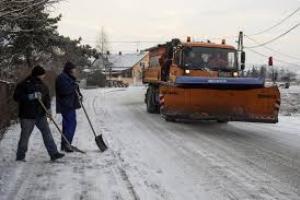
202,81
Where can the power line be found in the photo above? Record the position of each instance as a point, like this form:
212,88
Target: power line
127,41
158,42
278,60
277,24
217,38
135,41
273,50
276,38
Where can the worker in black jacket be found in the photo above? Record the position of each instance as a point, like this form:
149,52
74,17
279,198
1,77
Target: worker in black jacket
31,113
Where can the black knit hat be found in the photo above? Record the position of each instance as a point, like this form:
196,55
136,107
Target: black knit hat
69,66
38,71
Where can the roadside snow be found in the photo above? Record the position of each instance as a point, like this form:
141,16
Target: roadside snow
290,101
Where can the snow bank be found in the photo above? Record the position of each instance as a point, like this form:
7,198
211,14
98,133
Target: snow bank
290,101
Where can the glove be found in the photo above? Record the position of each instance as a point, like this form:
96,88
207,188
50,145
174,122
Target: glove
80,98
77,85
34,96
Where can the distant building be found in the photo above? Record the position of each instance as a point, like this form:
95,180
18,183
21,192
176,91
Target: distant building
124,67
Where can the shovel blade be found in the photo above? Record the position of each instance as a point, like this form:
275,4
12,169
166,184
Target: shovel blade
100,143
77,150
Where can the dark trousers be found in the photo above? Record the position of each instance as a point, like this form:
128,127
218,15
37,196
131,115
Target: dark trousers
27,126
69,126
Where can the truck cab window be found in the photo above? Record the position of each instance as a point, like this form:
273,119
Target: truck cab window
210,58
177,57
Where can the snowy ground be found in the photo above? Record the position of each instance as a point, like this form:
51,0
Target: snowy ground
153,159
290,100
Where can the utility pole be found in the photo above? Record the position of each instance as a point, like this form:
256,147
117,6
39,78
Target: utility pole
241,42
241,51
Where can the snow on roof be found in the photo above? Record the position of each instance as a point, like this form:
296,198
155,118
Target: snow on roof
125,61
87,70
6,82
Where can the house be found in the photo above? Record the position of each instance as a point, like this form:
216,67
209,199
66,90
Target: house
125,67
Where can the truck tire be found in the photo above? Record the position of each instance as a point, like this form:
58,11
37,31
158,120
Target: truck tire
152,105
222,121
169,118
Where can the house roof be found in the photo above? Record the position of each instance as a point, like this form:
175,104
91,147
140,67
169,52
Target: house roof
125,61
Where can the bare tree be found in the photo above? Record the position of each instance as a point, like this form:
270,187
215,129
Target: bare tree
102,42
102,45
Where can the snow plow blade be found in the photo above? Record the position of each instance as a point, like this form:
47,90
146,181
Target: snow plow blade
224,101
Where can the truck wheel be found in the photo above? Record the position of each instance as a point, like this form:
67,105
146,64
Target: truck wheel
169,119
222,121
150,101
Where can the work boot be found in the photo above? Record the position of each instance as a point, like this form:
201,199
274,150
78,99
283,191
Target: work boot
20,159
57,156
67,149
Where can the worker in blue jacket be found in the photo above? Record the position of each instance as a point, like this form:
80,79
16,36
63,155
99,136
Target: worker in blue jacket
67,101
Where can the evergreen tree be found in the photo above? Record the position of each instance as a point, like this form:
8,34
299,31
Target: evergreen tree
28,35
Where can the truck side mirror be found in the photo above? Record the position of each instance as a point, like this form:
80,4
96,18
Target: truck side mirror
243,60
270,61
243,67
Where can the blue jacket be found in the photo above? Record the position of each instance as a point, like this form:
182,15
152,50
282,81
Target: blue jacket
66,96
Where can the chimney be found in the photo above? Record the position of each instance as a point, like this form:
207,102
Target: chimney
188,39
223,42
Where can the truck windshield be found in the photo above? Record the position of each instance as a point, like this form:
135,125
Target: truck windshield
209,58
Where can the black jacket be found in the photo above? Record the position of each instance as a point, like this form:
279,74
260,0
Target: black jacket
66,96
31,109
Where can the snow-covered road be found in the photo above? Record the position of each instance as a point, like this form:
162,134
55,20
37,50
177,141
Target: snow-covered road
153,159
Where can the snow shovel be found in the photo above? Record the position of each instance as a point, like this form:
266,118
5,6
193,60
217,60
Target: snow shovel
59,130
99,139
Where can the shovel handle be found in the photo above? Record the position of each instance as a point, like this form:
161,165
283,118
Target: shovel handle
59,130
54,122
87,116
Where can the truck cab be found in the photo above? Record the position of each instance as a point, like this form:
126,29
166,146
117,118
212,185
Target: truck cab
204,60
198,59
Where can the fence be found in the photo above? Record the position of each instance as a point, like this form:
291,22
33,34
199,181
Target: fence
8,108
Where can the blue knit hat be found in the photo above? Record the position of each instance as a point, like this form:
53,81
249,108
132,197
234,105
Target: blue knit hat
69,66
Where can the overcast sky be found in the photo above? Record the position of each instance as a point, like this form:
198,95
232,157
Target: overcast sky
157,20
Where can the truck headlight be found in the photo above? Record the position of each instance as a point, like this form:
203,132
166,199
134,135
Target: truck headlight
187,71
235,74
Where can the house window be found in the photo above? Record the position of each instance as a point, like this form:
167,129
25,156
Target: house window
127,73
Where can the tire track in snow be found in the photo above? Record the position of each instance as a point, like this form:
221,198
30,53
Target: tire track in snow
23,177
220,146
23,180
123,164
152,185
174,139
116,155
